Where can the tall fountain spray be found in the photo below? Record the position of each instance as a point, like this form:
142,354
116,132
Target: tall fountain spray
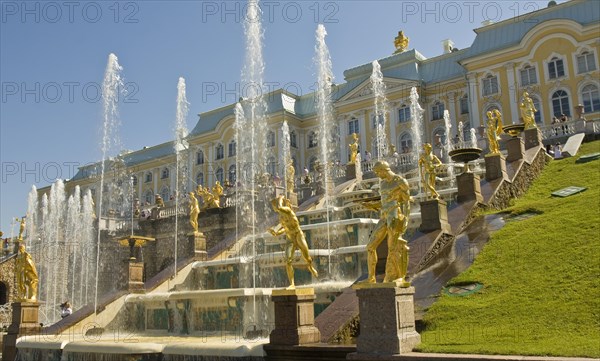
87,241
448,144
32,222
416,125
327,136
73,236
473,138
380,110
285,152
255,124
110,97
56,216
461,135
181,144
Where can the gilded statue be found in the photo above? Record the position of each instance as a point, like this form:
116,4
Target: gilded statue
494,129
394,212
295,237
194,211
289,176
429,164
401,42
353,148
528,111
26,274
217,190
21,228
210,201
159,201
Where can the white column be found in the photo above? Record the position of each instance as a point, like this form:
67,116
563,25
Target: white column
190,168
155,178
140,178
392,122
473,100
363,121
301,145
173,178
209,177
512,92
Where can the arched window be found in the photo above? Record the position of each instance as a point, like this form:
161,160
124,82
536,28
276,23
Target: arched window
219,175
439,137
270,139
148,177
405,143
219,152
165,173
165,193
591,98
200,157
404,114
200,179
232,148
311,163
232,174
293,139
312,139
464,104
560,103
149,197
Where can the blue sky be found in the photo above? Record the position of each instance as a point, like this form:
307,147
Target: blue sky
53,56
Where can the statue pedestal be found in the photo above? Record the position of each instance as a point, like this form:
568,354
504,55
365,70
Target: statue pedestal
350,171
306,191
199,240
533,138
294,317
434,216
495,167
135,280
468,187
387,320
515,148
25,321
293,197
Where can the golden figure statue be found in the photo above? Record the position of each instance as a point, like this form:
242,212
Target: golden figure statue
27,277
291,227
428,164
494,129
353,148
290,175
401,42
528,111
217,190
394,212
159,201
21,228
194,211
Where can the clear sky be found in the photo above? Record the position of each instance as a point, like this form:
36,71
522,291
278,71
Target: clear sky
53,55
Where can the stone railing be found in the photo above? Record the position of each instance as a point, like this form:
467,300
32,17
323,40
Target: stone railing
170,211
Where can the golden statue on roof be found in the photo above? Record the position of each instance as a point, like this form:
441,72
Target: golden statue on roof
401,42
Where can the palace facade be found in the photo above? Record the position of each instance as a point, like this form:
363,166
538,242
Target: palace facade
551,53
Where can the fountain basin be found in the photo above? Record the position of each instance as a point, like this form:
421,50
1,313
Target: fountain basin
465,155
513,129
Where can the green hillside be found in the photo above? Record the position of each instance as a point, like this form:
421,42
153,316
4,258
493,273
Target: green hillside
541,276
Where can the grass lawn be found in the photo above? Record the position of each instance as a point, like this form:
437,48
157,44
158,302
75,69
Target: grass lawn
541,276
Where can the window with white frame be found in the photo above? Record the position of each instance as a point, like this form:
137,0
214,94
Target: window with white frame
490,85
270,139
528,76
375,120
148,197
219,175
271,166
437,111
556,68
220,152
200,179
312,139
148,177
464,104
200,157
165,173
560,103
591,98
293,139
439,137
232,148
405,143
404,114
165,193
586,62
232,174
353,126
